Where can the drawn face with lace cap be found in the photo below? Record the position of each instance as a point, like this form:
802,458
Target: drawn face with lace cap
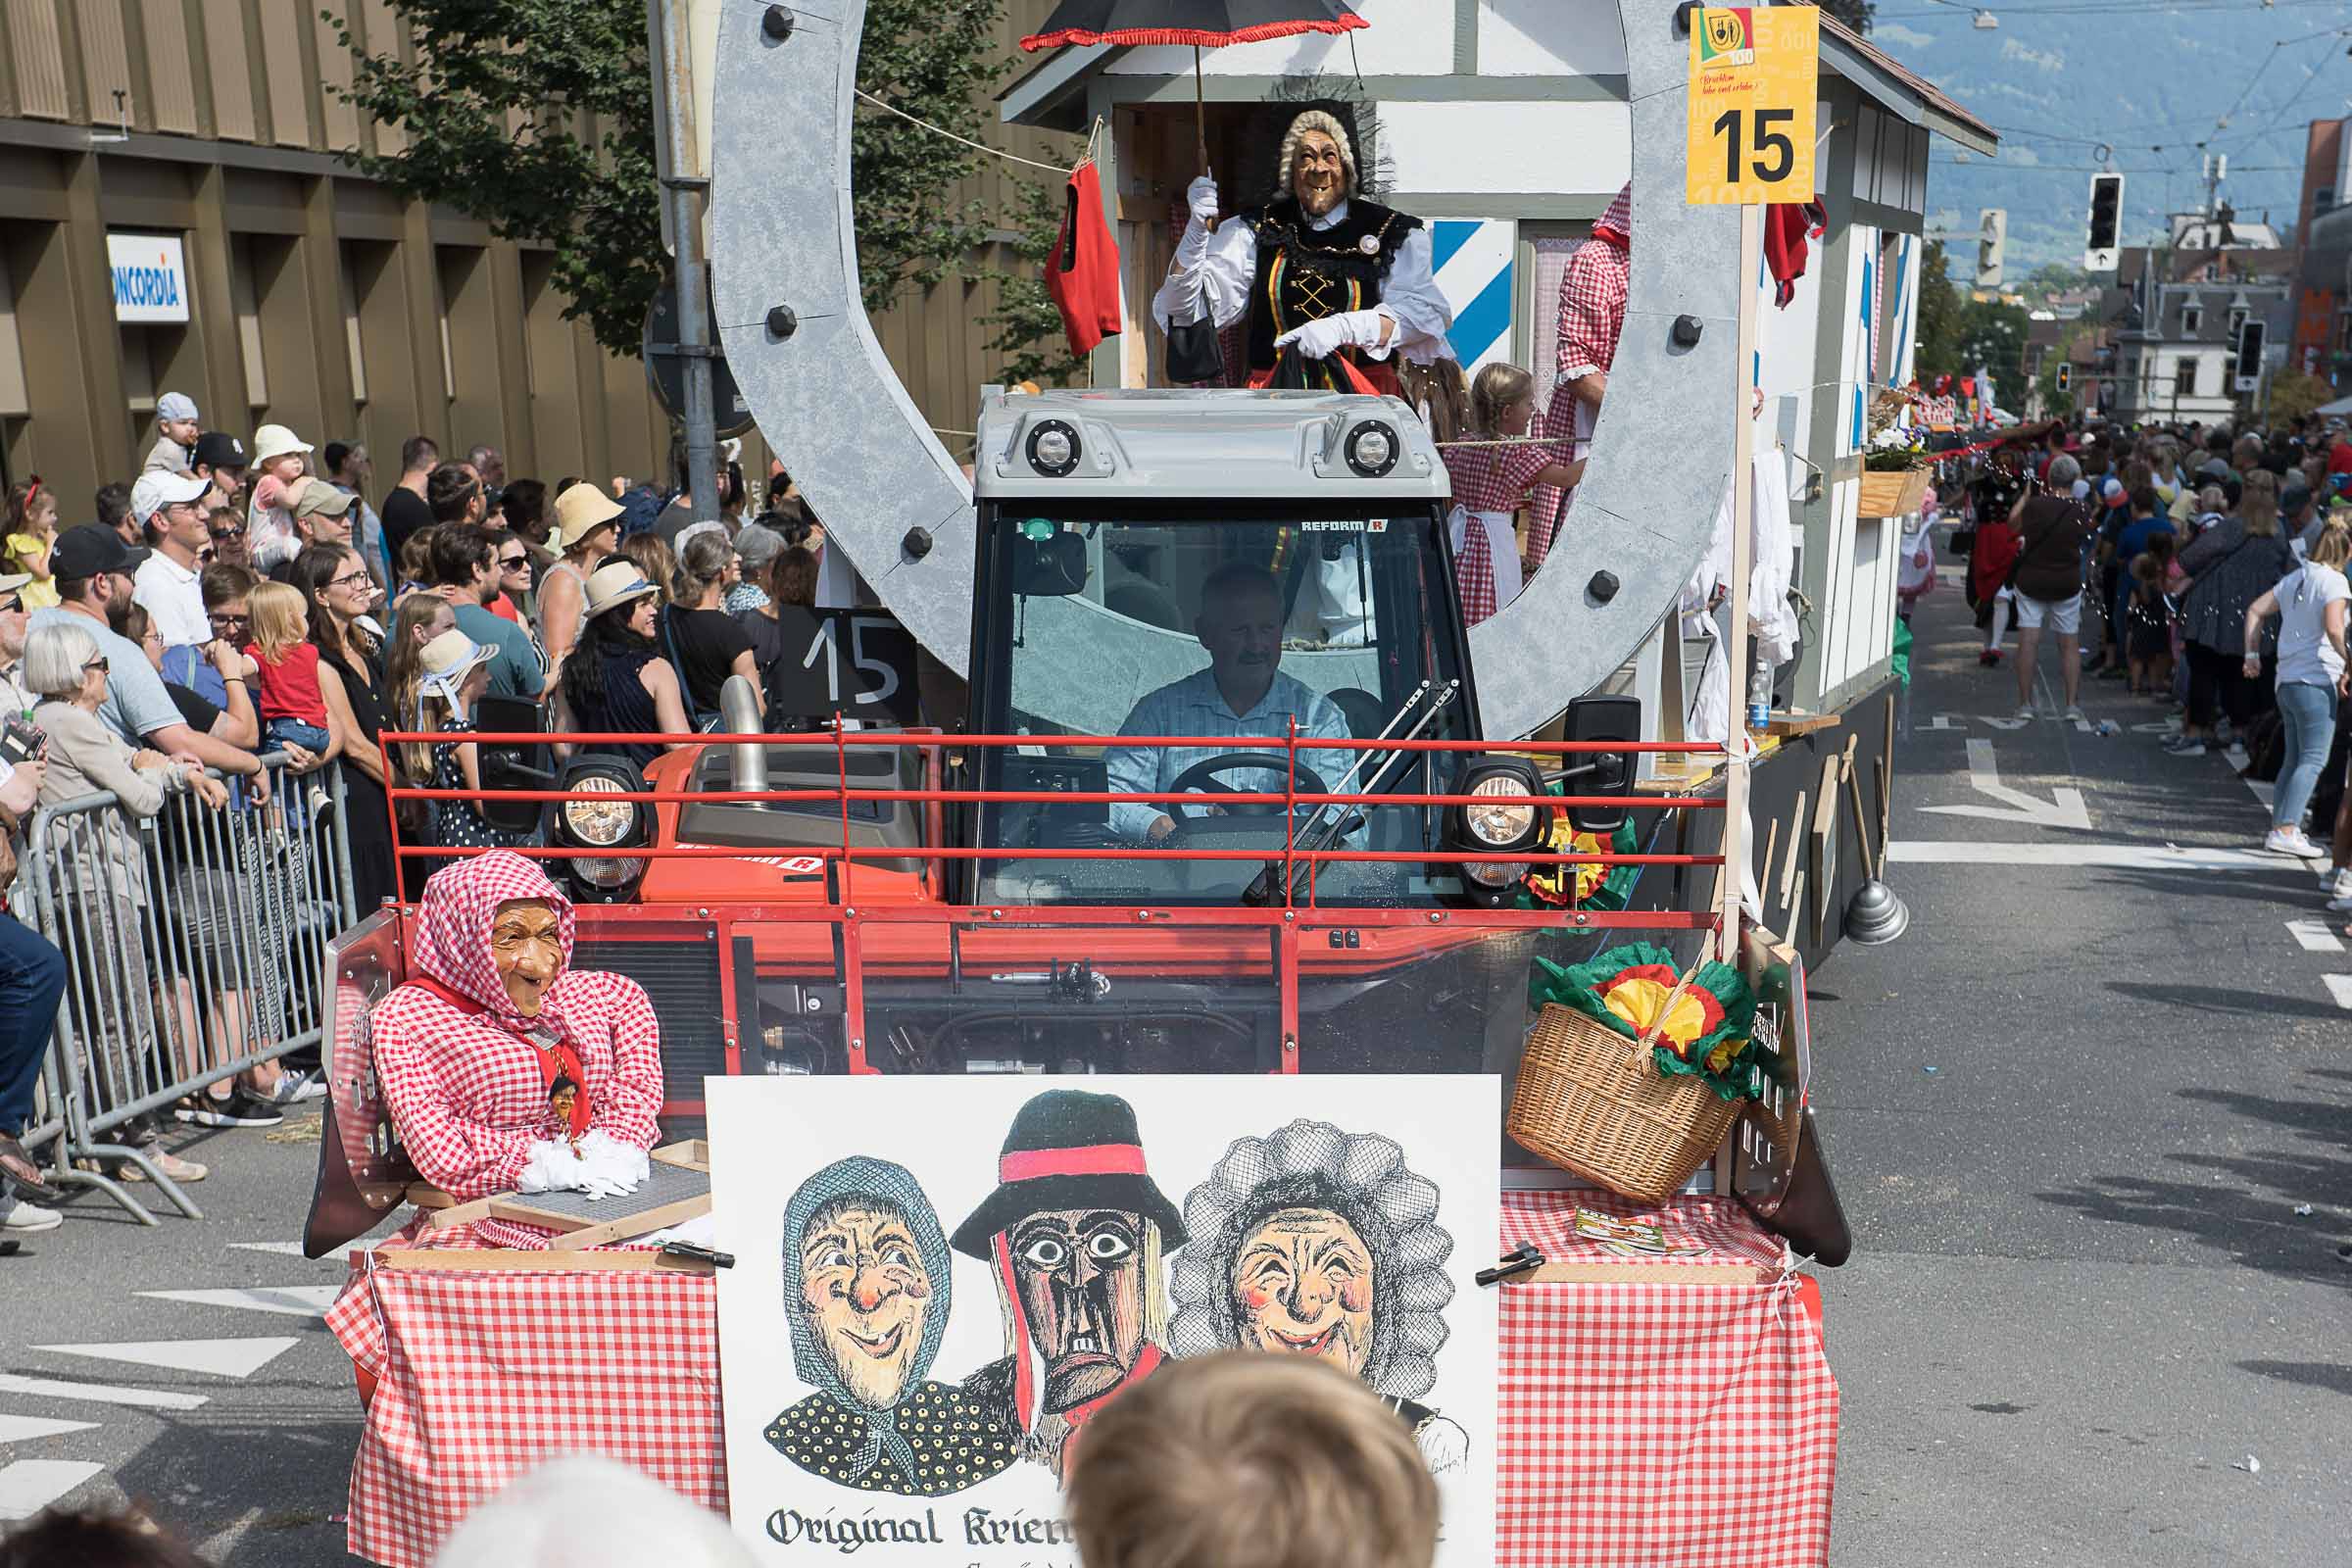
1303,1283
866,1294
527,950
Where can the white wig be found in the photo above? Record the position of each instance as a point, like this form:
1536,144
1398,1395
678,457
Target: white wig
1328,126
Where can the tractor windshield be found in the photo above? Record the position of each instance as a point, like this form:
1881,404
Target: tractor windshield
1236,628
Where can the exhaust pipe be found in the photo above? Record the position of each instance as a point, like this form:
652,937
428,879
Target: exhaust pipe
739,711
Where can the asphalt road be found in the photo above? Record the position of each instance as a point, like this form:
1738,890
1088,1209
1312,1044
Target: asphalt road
2072,1114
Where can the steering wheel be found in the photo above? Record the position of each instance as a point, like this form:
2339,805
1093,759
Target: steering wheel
1201,776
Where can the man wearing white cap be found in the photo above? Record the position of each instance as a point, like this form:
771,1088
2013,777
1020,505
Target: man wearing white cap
175,421
167,583
277,464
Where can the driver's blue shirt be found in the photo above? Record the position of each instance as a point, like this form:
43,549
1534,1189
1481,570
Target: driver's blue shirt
1194,706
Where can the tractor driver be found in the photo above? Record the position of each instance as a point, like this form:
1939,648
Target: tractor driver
1242,693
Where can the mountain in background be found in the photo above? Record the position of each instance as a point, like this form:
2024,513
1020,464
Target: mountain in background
2054,83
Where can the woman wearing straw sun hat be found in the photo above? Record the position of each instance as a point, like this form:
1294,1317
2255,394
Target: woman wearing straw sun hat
587,529
453,673
279,471
615,681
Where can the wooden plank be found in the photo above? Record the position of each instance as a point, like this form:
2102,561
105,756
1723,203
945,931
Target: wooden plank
1795,723
642,1260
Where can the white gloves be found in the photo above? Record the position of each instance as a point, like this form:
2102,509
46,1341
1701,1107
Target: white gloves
1201,197
601,1167
624,1167
1320,340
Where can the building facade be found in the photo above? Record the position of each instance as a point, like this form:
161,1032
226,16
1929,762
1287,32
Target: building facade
175,216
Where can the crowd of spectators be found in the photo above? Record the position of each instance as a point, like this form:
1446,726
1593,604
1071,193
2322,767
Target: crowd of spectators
2204,570
237,620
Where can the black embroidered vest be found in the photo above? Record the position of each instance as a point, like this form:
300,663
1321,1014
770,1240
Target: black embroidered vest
1305,273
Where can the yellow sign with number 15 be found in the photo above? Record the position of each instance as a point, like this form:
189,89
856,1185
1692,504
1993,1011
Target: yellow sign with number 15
1754,72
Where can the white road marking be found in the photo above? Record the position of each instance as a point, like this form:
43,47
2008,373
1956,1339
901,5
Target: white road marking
30,1485
2064,808
2313,936
2003,723
101,1392
2340,986
2118,856
25,1428
1942,721
282,1249
226,1358
294,1250
298,1300
2263,790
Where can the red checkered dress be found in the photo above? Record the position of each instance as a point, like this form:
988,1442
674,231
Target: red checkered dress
466,1091
1489,479
1592,294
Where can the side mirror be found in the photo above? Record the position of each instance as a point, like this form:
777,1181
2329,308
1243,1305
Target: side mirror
512,767
1052,568
1601,718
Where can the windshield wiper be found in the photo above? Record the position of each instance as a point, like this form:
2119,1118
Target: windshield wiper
1324,829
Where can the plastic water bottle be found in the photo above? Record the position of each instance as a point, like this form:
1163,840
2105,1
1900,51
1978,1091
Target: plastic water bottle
1759,695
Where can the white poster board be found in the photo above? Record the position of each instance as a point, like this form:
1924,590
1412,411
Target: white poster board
886,1395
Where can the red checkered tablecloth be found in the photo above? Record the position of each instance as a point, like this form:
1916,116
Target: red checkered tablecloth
481,1374
1647,1425
1658,1425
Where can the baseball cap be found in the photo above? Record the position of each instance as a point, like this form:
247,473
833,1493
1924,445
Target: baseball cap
175,406
89,550
218,449
321,497
158,489
2111,490
13,583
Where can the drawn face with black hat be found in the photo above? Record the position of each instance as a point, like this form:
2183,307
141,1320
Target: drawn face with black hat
1075,1231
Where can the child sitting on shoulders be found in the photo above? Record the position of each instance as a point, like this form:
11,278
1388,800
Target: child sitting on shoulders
293,709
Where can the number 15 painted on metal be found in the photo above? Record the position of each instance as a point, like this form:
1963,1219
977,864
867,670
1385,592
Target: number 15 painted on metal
1754,75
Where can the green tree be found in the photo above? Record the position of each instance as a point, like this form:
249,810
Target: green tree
1938,343
580,174
2294,395
1992,336
1028,323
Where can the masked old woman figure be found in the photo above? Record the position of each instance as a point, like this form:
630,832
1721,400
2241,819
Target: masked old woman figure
504,1069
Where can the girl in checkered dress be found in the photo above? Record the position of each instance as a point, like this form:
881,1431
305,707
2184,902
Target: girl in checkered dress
1490,482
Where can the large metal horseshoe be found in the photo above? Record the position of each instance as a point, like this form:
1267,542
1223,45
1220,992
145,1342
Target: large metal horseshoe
784,267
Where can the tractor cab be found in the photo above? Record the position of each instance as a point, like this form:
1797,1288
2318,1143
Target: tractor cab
1287,618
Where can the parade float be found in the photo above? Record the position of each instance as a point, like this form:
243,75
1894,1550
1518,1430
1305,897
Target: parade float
1506,852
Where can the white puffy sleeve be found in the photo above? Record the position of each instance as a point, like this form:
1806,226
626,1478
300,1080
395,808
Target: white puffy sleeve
1209,276
1409,296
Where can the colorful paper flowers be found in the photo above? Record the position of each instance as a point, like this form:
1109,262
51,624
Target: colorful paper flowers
1702,1032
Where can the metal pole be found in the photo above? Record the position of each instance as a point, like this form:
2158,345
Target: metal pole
1743,446
682,189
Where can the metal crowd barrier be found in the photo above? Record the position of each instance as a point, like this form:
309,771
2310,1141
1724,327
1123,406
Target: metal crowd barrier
195,943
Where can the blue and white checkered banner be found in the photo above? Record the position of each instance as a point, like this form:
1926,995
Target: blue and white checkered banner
1472,259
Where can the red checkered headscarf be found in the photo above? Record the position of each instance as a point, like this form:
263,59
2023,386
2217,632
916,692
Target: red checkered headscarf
1616,224
453,928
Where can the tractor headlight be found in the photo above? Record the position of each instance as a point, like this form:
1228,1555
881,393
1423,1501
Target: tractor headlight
1505,817
599,824
1371,449
1053,448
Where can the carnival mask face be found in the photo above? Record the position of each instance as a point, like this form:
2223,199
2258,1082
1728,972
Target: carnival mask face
1080,1273
1303,1286
867,1296
527,948
1318,177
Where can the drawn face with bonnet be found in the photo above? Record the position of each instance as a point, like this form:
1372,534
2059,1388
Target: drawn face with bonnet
867,1296
1302,1283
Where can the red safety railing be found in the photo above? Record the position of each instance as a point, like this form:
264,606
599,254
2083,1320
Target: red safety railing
1292,857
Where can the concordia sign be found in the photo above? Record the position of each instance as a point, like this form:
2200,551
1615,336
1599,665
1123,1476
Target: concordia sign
150,277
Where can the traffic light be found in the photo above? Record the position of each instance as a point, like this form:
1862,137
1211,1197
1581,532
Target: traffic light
2106,221
2249,356
1992,228
2066,375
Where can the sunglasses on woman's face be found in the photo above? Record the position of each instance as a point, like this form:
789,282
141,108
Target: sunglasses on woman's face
221,536
510,563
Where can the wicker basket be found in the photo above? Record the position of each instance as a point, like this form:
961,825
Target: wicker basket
1590,1100
1894,493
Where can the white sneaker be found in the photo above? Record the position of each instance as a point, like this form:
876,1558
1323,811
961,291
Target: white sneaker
2341,888
24,1220
2026,712
2290,841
